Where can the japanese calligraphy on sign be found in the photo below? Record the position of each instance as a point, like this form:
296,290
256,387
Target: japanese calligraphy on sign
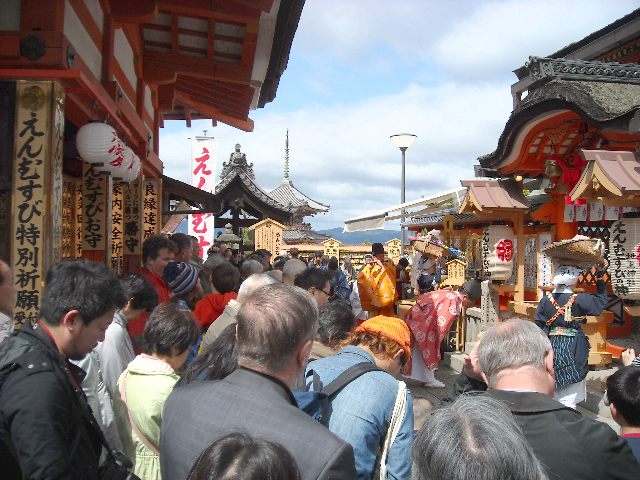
96,212
268,235
203,166
117,227
544,262
132,217
37,174
151,220
78,224
624,258
68,244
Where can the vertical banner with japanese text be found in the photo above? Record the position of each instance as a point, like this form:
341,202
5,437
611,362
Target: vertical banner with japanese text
37,192
204,151
78,213
117,227
96,214
132,218
68,243
152,201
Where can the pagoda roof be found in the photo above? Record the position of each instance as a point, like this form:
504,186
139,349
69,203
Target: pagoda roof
287,194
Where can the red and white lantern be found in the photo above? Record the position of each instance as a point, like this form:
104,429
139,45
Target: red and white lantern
131,166
97,143
498,252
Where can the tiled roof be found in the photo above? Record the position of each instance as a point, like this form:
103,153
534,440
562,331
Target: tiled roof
252,186
287,194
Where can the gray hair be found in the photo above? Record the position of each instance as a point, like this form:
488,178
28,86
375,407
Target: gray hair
292,269
249,267
475,438
273,322
252,283
510,345
336,321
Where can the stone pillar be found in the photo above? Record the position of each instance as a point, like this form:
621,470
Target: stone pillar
36,216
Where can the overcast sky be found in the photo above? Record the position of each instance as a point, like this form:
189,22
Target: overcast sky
362,70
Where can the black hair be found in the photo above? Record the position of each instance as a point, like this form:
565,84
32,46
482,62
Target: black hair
264,252
333,264
216,360
169,330
377,249
623,390
403,262
312,277
237,456
225,277
139,291
278,262
151,247
336,320
83,285
182,241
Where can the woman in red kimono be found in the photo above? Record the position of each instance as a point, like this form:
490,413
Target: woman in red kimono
429,320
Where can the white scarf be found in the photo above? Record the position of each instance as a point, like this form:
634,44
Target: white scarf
566,277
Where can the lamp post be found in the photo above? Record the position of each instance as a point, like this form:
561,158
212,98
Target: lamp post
402,141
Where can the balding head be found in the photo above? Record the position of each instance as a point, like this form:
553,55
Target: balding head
253,283
517,350
292,269
274,323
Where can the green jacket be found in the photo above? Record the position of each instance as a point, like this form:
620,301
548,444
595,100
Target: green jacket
148,382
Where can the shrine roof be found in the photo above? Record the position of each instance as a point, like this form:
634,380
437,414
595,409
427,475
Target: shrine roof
502,194
287,194
301,236
604,105
251,186
616,171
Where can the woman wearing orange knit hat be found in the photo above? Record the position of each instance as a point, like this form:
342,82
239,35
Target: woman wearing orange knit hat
375,408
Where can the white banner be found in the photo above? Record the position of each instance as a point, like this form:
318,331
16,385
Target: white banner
204,151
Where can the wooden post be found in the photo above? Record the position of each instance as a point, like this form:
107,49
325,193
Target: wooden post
37,192
519,224
117,227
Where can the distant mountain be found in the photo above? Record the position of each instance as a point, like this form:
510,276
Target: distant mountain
357,238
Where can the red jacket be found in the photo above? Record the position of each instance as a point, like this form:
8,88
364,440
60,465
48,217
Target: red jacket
136,326
210,307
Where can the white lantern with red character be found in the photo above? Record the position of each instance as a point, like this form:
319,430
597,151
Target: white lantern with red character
131,166
97,143
498,251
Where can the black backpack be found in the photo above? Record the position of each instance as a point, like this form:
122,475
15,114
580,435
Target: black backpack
316,402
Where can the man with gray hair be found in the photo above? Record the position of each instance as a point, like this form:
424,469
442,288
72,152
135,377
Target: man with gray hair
516,360
276,327
230,311
476,437
292,269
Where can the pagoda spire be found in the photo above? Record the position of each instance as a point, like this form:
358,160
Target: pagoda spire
286,179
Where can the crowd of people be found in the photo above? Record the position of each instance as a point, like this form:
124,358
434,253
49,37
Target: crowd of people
285,368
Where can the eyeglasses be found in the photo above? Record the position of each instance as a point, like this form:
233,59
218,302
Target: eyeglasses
605,399
328,294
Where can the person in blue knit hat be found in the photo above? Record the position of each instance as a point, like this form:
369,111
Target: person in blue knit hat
184,284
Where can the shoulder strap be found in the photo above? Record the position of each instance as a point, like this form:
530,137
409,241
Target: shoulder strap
559,310
349,375
397,417
134,427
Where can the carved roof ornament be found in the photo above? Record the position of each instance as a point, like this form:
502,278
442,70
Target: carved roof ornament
237,160
544,69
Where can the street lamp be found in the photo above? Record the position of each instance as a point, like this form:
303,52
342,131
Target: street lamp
402,141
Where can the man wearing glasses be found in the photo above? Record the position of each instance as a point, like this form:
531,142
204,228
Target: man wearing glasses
317,282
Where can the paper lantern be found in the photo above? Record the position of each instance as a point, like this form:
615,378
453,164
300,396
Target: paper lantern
116,164
97,143
131,166
498,252
624,258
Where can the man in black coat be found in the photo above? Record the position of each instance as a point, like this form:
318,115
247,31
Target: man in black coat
516,360
277,325
47,430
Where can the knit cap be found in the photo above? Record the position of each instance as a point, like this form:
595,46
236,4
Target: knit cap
180,277
390,327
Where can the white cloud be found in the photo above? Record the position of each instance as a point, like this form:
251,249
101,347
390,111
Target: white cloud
340,150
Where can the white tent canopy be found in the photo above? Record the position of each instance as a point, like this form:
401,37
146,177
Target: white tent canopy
375,221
